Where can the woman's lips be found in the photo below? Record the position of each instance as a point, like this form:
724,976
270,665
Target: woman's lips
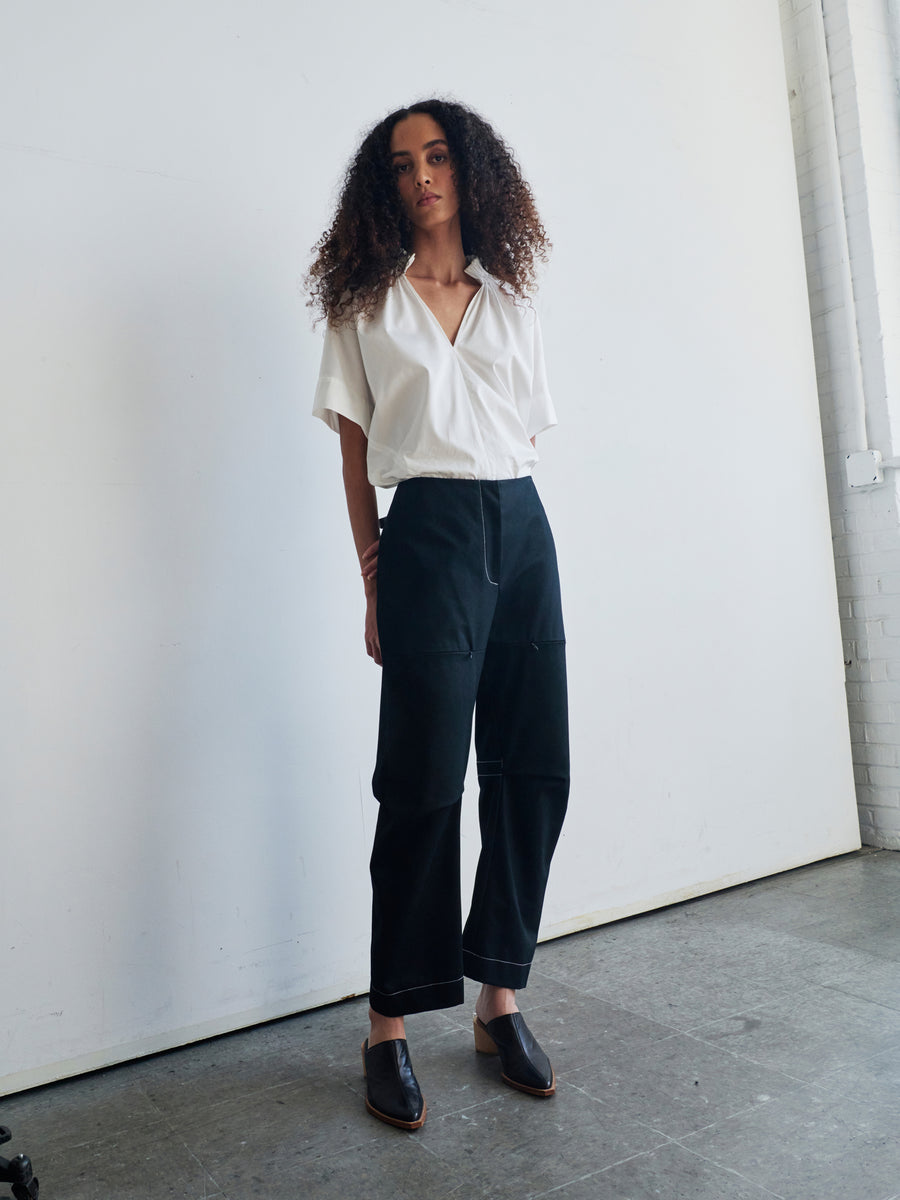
427,199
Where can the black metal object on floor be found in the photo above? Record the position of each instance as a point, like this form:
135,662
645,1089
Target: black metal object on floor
18,1172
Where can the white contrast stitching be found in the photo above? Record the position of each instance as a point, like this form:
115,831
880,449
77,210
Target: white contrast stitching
419,988
506,961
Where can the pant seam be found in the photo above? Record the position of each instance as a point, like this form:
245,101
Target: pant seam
487,573
538,641
491,840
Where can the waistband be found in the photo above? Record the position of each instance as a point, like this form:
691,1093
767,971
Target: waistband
439,482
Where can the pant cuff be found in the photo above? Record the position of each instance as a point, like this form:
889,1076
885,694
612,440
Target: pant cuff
495,971
417,999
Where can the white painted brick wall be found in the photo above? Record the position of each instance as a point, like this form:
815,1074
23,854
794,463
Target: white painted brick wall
845,111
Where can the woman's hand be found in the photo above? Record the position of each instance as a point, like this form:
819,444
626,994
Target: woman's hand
369,561
373,646
369,565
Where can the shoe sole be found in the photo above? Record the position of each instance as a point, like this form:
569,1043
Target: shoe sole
409,1126
543,1093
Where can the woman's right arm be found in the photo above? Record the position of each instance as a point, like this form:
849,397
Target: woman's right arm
363,510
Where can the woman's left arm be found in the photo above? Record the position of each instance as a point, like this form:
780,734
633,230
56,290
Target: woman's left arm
363,510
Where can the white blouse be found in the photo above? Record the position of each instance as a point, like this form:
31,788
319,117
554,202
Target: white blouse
461,410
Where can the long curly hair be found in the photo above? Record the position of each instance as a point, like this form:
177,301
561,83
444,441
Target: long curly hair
370,239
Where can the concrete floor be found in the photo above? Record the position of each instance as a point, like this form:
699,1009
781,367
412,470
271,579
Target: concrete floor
740,1046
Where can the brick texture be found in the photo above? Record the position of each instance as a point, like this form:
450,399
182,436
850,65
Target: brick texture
841,62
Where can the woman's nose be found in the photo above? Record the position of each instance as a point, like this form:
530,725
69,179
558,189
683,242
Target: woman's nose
423,178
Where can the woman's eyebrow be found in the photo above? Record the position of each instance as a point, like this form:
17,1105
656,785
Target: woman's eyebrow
427,146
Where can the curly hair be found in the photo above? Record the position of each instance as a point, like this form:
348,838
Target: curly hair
370,239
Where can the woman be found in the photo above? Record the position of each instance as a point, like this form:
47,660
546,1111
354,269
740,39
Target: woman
432,373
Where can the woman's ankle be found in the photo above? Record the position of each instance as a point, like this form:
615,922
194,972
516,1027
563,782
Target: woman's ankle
384,1029
495,1002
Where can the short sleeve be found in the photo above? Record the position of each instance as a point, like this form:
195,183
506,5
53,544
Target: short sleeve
343,389
541,414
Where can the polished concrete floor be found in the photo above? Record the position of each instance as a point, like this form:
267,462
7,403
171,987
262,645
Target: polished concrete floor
740,1046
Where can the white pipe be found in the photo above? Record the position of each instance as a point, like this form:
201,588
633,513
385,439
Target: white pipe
857,395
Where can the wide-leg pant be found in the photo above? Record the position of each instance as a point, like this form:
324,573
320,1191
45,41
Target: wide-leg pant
469,618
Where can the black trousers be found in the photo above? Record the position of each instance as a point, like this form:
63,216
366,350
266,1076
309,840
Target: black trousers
469,618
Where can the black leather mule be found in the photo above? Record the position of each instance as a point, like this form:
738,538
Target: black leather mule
392,1091
524,1065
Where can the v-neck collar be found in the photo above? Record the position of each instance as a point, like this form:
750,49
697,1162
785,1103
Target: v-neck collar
474,268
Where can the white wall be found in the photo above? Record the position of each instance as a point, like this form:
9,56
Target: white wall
186,712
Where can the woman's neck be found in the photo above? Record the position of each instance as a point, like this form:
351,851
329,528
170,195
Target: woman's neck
439,254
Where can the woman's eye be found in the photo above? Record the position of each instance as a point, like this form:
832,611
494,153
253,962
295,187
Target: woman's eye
401,168
439,158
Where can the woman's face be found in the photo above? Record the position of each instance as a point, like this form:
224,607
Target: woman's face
424,171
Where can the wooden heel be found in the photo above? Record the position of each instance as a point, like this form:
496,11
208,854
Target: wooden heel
484,1043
